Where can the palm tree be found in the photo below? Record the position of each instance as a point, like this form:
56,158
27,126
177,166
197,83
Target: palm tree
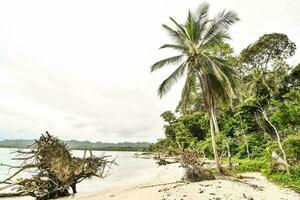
257,83
194,40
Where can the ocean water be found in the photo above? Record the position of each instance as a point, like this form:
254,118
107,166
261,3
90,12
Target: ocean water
128,169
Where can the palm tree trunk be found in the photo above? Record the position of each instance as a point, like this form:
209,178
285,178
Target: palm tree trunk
214,146
217,131
214,115
209,104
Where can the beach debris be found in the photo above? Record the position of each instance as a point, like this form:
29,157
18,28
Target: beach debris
144,155
201,191
194,170
254,186
196,174
239,176
162,161
54,171
161,184
247,197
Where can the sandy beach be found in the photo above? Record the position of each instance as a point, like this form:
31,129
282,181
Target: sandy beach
166,183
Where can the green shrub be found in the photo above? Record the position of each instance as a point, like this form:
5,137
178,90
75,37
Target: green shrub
205,147
282,178
256,165
257,145
292,147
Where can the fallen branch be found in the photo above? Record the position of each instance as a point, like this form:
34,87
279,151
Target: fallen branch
160,184
245,177
256,187
17,194
10,166
19,171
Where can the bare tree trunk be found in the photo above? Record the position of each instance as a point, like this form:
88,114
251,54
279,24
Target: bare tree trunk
214,145
229,155
287,166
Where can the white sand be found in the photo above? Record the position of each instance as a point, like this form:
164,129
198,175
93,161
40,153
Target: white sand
159,185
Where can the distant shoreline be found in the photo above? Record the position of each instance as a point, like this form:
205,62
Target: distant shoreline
130,149
83,145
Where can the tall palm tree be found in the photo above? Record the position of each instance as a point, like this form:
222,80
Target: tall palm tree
194,40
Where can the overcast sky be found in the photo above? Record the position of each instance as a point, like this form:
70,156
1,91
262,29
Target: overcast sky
80,69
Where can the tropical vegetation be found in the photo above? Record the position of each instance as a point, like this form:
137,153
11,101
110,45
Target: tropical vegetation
242,108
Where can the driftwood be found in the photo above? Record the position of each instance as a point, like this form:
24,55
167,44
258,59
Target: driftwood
144,155
161,184
165,159
192,158
244,177
56,170
162,161
194,170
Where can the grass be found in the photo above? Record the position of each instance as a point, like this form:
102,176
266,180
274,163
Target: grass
247,165
281,178
291,180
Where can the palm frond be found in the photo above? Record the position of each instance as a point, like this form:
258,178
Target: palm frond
190,27
173,78
221,78
220,24
227,18
194,40
202,21
218,91
166,61
188,89
174,46
224,81
202,12
217,38
181,29
228,70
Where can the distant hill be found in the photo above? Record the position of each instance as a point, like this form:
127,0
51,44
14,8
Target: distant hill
74,144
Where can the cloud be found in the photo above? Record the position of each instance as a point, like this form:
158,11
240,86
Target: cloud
81,69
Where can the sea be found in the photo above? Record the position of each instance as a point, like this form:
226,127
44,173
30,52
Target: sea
128,168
